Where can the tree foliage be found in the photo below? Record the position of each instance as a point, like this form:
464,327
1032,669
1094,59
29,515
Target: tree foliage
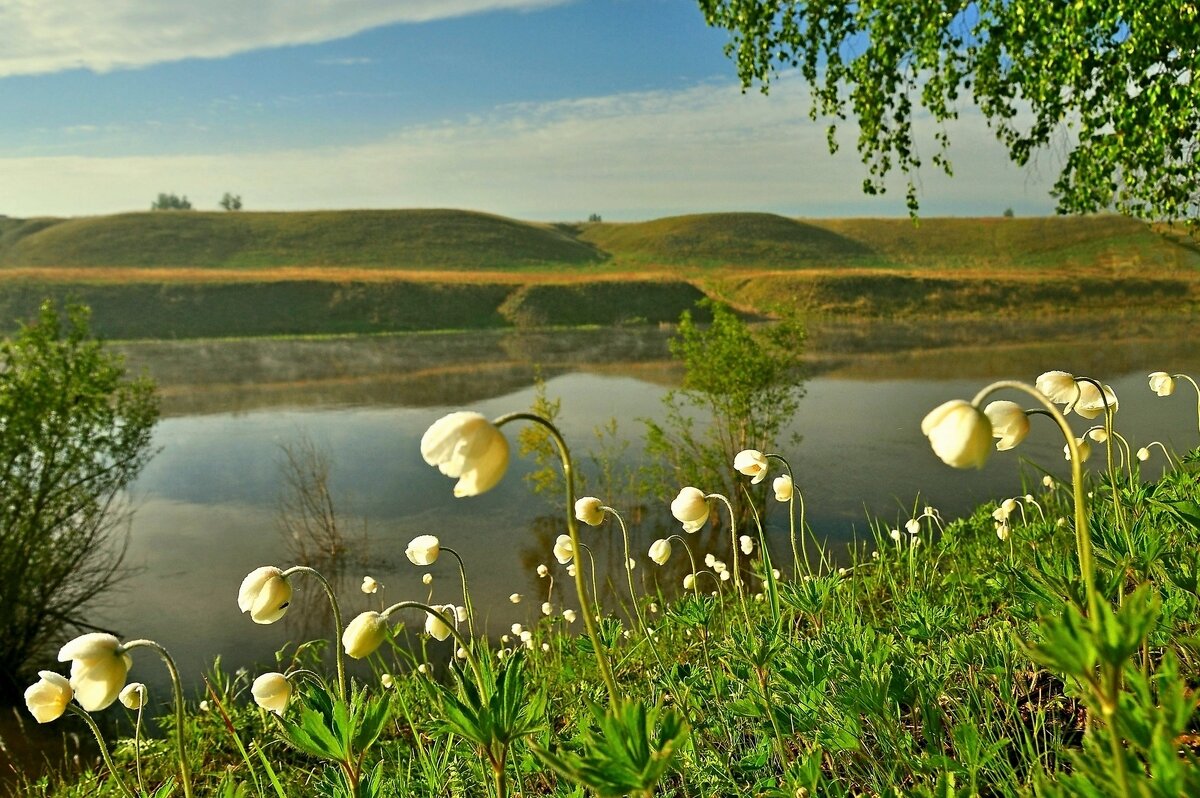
1112,81
171,202
231,202
74,432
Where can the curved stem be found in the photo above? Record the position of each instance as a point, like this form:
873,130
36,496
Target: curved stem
1197,387
1109,411
462,572
1083,538
87,718
792,516
768,568
585,606
137,744
737,572
691,559
449,623
177,686
339,657
637,607
592,561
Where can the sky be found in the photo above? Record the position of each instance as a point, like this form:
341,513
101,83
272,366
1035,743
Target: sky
546,110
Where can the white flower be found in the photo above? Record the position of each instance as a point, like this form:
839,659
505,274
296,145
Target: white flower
47,698
569,616
515,598
1002,530
747,544
959,433
427,579
1010,424
1085,449
546,647
660,551
133,696
204,706
690,508
98,669
542,571
709,559
775,572
461,653
467,446
725,576
632,563
435,626
588,511
424,668
517,629
689,581
894,534
1098,434
369,585
265,594
1048,481
547,609
423,550
272,691
912,526
1162,383
783,488
564,550
1091,402
752,463
387,681
364,634
1143,454
571,570
1058,386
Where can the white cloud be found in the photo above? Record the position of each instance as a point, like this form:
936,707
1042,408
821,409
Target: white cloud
636,155
40,36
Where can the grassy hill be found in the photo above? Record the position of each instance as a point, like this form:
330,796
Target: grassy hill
419,239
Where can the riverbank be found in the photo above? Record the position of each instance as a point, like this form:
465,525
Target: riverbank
195,275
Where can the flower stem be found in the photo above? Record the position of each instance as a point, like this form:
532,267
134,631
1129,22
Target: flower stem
177,686
451,624
339,658
637,608
87,718
792,516
1083,538
1197,387
462,572
737,571
585,606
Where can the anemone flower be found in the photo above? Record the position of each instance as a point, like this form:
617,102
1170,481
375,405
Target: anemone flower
99,666
467,446
959,433
265,594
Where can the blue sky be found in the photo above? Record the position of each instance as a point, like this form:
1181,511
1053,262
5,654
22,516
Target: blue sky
539,109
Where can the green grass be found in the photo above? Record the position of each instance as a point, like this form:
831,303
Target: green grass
414,239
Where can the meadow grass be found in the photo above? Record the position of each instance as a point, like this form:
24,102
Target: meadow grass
940,657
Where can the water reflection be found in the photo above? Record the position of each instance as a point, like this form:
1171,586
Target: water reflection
208,499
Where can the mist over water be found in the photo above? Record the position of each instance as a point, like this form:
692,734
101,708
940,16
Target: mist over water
207,503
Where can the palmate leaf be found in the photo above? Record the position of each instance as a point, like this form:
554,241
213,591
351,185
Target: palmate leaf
505,713
628,751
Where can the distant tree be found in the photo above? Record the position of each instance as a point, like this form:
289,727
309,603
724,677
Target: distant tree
231,202
74,433
595,217
171,202
1008,213
1114,84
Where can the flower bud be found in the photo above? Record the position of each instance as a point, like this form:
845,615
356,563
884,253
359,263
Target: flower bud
1010,423
660,551
1162,383
423,550
133,696
783,488
364,634
588,511
265,594
959,433
466,446
272,691
690,508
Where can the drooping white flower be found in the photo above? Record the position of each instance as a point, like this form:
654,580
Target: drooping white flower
912,526
133,696
467,446
1098,434
752,463
1002,530
515,598
435,626
588,511
689,581
547,609
364,634
1162,383
265,594
517,629
387,681
1048,481
747,544
1058,386
369,585
424,668
690,508
660,551
569,616
894,534
542,571
1010,424
272,691
783,488
98,669
1085,449
423,550
1143,454
1091,401
959,433
564,550
48,697
710,559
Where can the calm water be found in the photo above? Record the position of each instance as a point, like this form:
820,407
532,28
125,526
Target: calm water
207,503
